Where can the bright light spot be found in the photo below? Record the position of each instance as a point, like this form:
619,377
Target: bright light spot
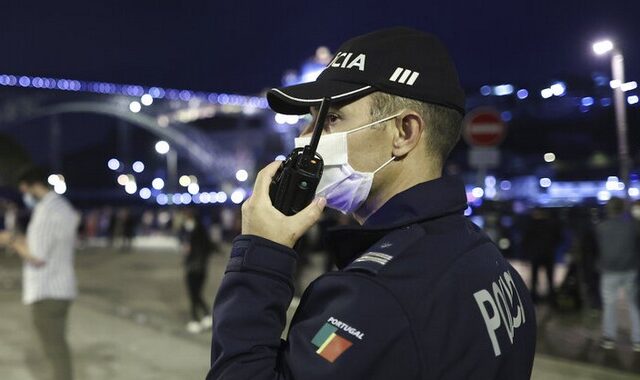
186,198
280,118
545,182
522,93
546,93
604,196
504,243
505,185
238,196
135,107
157,183
60,187
549,157
629,86
292,119
113,164
503,89
614,84
280,157
214,197
242,175
485,90
55,179
138,167
184,180
490,192
123,179
558,89
477,192
222,197
145,193
146,99
193,179
196,199
602,47
634,192
162,199
633,99
131,187
612,183
468,211
193,188
205,198
490,181
176,199
162,147
587,101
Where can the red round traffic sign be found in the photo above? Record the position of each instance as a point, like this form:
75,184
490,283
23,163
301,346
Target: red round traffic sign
484,127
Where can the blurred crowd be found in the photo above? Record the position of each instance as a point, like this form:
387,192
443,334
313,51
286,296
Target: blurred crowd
543,237
569,253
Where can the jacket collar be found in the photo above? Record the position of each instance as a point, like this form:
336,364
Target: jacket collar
420,203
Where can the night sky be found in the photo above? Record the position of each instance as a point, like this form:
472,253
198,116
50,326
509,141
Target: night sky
245,46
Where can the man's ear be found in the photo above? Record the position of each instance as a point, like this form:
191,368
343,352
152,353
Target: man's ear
409,129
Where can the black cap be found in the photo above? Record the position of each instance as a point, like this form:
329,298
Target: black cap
399,61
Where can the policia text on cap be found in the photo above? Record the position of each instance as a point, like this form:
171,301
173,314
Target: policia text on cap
421,292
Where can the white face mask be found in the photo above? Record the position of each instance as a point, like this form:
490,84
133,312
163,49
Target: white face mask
29,200
344,188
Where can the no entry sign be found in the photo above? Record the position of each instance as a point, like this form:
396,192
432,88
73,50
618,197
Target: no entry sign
483,127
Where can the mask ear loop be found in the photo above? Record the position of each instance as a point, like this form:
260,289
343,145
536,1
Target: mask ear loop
374,123
385,164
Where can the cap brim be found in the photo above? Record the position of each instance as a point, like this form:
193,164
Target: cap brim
296,100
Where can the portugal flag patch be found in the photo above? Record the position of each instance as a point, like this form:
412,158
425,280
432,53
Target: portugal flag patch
330,346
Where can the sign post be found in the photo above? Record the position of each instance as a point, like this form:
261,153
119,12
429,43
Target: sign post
483,129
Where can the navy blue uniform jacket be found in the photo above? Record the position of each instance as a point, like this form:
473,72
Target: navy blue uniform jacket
421,293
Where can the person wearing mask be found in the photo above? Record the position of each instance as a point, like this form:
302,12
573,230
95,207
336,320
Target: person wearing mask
49,280
619,270
420,291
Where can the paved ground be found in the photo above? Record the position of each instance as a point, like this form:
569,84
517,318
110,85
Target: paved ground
129,324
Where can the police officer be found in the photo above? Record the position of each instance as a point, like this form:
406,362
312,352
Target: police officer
421,292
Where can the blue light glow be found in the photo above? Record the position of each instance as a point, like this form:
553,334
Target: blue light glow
587,101
503,89
505,185
145,193
522,93
129,90
162,199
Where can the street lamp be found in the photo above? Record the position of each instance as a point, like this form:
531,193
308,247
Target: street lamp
617,70
163,147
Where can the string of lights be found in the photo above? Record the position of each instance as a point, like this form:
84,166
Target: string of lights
147,94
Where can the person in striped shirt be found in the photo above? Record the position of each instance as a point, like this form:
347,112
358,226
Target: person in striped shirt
48,280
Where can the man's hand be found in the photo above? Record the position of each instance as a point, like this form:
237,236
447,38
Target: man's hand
18,244
260,218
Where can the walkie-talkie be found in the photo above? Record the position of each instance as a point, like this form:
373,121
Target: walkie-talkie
293,187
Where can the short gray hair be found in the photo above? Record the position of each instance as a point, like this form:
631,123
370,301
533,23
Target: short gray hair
444,124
